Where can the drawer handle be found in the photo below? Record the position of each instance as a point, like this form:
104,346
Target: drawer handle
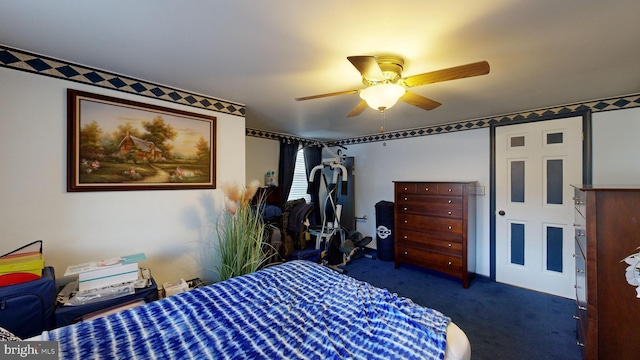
405,208
406,222
579,344
449,227
426,189
580,233
449,244
406,253
578,201
449,263
582,308
405,199
405,189
449,212
576,317
449,190
449,201
579,271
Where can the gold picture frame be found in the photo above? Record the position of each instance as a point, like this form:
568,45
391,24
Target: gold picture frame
117,145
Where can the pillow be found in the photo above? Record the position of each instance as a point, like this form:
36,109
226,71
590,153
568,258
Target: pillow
6,335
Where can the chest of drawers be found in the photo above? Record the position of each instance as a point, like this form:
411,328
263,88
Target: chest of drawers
607,230
435,226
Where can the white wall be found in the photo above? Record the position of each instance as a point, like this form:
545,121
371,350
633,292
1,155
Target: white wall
168,226
458,156
262,156
616,147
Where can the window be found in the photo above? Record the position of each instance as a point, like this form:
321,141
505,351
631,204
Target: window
517,141
299,185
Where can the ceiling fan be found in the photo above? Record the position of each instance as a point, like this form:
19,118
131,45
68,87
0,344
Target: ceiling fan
385,85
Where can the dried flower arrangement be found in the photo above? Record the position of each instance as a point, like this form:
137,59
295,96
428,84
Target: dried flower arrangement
632,273
240,231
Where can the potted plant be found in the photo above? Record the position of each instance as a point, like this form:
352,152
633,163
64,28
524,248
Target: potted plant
240,231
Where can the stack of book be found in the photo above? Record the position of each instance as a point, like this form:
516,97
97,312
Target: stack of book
21,265
108,272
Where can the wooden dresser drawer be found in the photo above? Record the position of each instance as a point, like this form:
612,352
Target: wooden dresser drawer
431,200
405,188
581,279
450,189
581,321
579,221
427,188
443,226
444,210
581,242
429,241
580,200
448,264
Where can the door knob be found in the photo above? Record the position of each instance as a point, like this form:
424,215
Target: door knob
501,213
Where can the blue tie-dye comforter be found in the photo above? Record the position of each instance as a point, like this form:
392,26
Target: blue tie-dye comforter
294,310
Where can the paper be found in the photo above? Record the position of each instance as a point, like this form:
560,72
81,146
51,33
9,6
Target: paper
104,264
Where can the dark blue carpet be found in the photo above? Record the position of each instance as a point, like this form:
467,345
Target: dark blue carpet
501,321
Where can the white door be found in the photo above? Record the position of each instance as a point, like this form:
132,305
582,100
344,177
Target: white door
535,165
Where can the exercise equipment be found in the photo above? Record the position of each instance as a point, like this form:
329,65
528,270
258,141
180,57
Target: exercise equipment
337,242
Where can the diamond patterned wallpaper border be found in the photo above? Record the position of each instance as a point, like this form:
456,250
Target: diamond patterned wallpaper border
38,64
615,103
22,60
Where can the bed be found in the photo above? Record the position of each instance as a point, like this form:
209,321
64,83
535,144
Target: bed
297,309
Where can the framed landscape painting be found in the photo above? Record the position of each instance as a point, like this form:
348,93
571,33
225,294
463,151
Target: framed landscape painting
116,144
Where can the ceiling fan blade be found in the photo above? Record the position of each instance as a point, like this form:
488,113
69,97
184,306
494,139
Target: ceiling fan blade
367,66
327,95
358,109
458,72
419,101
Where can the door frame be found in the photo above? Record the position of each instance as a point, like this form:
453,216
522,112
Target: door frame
586,169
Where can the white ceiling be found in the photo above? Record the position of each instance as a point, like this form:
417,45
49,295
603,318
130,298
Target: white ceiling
266,53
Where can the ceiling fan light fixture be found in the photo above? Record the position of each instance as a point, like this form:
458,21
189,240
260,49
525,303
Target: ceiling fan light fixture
382,96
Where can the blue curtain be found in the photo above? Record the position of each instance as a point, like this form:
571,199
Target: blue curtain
312,158
287,166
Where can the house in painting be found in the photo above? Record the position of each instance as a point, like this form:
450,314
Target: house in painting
146,149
